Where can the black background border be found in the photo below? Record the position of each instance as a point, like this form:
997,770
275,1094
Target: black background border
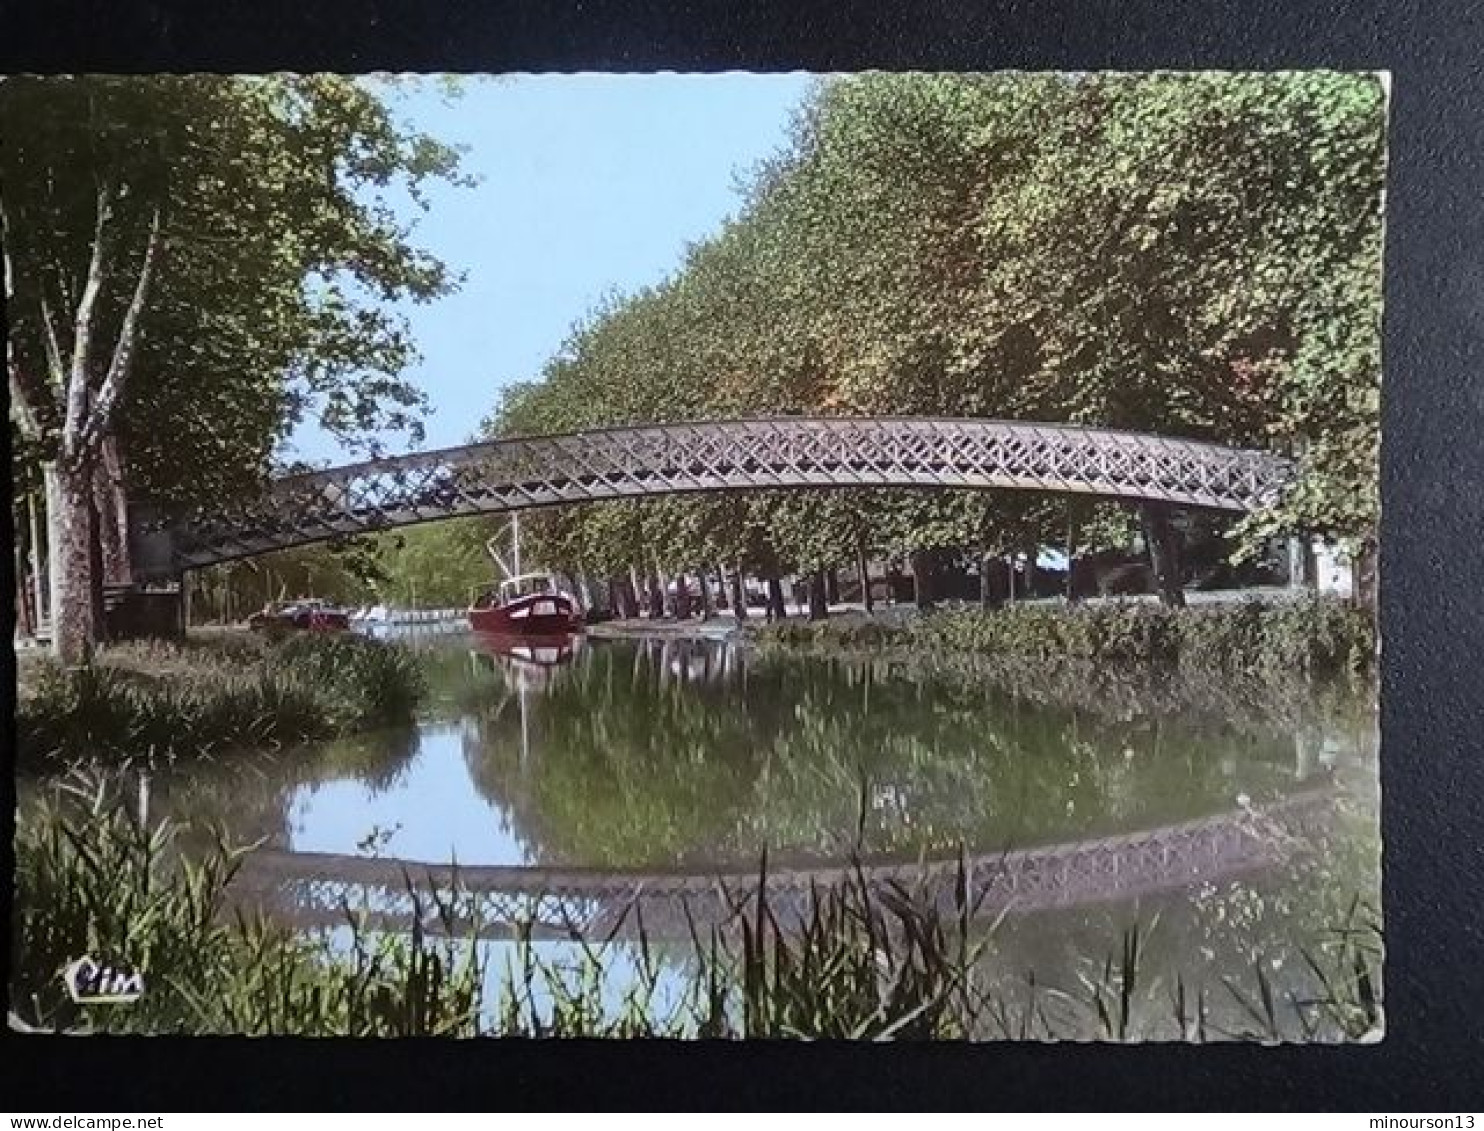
1432,562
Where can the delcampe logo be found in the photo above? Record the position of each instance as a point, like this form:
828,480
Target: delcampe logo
94,983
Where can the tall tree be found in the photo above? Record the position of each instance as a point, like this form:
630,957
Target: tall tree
192,264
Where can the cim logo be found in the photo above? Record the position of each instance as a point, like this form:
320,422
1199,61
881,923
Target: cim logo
93,983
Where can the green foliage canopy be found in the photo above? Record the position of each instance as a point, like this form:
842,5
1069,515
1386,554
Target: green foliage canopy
279,255
1192,255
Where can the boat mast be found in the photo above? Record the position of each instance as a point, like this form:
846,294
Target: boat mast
511,568
515,540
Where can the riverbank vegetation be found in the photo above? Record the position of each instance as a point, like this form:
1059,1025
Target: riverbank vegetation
1306,638
862,962
210,692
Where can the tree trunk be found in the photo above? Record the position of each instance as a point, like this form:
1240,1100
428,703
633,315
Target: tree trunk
832,585
819,604
863,567
990,594
70,517
777,610
23,618
922,578
95,568
41,599
1163,541
705,587
739,593
635,592
1032,553
112,502
656,597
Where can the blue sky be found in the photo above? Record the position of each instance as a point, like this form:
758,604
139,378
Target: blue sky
588,184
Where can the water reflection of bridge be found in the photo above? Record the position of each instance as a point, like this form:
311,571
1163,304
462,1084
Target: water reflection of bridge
317,889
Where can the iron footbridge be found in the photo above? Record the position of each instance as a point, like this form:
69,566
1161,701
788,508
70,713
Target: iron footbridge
638,462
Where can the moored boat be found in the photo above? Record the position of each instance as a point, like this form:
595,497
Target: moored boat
530,604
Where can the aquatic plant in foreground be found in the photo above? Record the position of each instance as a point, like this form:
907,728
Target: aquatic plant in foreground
860,961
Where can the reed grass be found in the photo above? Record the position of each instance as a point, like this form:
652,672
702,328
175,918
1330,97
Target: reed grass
860,961
175,699
1318,637
92,879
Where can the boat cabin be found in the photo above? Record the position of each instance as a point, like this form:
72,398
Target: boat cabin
522,586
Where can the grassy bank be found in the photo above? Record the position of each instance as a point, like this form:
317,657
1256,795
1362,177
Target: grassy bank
862,963
212,692
1309,637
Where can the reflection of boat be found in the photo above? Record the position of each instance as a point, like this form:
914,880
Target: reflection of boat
528,663
529,650
529,604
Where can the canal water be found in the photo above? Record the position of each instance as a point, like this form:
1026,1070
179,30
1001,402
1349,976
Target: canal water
1126,803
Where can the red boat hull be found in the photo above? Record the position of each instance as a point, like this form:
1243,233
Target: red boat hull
542,614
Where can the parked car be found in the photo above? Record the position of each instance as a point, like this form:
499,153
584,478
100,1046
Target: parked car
305,615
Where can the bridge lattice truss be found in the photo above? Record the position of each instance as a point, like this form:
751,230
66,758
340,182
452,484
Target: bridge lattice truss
624,463
317,889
